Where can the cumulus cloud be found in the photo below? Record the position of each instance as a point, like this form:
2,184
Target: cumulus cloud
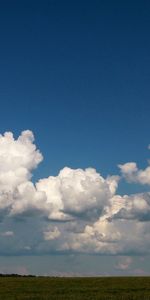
136,206
51,234
83,211
116,237
76,192
132,174
71,193
100,237
17,160
27,199
122,229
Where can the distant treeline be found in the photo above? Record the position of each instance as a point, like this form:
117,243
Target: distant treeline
16,275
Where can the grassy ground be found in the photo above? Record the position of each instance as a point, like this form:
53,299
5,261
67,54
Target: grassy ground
74,288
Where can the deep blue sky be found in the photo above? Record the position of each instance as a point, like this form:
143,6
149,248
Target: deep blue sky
77,74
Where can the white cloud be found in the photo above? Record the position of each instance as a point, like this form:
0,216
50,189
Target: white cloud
83,210
136,206
51,234
116,237
17,159
122,229
27,198
132,174
75,192
72,192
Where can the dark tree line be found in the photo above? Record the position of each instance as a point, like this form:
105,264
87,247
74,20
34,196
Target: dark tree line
15,275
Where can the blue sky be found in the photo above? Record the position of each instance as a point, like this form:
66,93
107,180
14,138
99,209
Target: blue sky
76,73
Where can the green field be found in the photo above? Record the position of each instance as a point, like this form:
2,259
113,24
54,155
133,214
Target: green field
44,288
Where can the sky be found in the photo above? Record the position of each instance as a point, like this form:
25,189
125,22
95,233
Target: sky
74,143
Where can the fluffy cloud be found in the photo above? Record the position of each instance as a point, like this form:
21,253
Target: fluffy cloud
77,210
122,229
51,234
17,160
27,199
136,206
100,237
131,172
77,192
71,193
110,237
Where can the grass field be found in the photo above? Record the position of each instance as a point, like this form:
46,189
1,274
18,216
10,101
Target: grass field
44,288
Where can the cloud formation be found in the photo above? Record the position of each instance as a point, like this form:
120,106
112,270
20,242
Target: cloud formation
17,160
77,192
132,174
77,210
51,234
71,193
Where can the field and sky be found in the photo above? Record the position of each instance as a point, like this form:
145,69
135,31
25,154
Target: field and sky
75,138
